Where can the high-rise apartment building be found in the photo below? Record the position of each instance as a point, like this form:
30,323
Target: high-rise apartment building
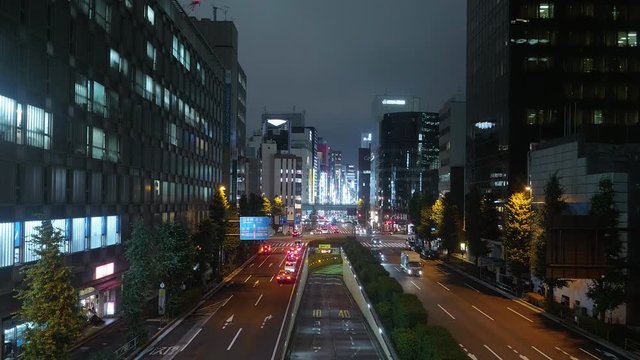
539,70
112,112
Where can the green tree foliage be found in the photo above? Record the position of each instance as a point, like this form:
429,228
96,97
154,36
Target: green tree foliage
278,210
255,206
218,215
232,245
49,301
415,208
266,206
243,206
140,253
553,206
437,212
519,228
424,228
449,226
473,215
489,218
206,251
176,256
608,292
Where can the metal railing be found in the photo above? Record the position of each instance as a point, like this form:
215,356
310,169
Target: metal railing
126,348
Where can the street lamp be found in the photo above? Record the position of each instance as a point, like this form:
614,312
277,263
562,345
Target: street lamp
530,190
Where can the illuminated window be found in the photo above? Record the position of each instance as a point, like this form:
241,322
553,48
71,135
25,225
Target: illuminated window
545,10
587,65
96,232
627,38
97,143
8,119
38,130
6,244
151,54
78,234
149,15
597,117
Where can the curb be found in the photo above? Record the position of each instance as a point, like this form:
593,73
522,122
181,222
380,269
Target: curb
575,329
160,334
86,339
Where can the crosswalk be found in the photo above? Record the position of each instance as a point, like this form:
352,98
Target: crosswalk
388,245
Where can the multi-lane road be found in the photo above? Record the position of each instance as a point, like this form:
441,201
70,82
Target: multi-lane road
243,320
486,324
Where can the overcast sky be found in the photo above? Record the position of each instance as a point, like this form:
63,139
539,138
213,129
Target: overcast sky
331,57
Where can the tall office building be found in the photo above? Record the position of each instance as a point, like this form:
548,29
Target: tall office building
303,145
540,70
222,37
408,163
278,127
364,178
110,114
452,154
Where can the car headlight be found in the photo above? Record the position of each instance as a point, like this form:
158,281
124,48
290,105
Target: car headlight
410,271
420,272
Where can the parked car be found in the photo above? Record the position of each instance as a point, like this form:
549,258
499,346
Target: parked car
428,254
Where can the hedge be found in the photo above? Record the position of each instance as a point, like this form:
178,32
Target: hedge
402,315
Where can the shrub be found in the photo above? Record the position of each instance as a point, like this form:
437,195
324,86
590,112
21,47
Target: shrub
436,343
404,341
371,272
408,311
384,310
383,288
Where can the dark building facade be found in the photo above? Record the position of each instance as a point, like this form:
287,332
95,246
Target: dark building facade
364,184
112,113
408,159
222,37
539,70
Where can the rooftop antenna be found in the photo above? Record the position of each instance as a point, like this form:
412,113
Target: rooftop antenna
215,11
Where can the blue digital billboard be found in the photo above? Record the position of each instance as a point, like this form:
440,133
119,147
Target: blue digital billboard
254,228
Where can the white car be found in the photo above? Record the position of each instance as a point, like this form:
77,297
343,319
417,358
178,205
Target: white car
290,266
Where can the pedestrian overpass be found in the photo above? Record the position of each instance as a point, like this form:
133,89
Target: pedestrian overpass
350,208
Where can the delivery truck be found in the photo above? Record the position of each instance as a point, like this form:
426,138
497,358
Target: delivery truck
410,263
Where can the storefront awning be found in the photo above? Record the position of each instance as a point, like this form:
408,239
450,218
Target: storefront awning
110,284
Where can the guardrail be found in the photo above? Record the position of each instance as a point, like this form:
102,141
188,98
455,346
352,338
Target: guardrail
355,288
126,348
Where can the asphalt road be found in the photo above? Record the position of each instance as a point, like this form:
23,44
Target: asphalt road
486,324
241,321
329,324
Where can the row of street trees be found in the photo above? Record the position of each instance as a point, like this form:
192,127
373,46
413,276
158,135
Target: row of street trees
524,232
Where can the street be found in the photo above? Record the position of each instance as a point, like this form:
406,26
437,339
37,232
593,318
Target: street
243,320
486,324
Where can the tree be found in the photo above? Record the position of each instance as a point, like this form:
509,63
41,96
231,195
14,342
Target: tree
473,215
266,206
176,256
277,210
361,212
243,206
518,231
608,291
206,252
415,208
218,215
255,205
554,205
140,253
425,229
449,225
437,212
49,301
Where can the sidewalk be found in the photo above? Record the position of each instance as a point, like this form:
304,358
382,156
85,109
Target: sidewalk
567,324
102,342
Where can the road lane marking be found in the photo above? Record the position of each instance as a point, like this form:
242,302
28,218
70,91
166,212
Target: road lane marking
256,283
252,264
530,307
247,279
588,353
469,286
439,283
263,261
234,339
414,284
443,309
270,265
517,313
317,313
272,276
281,262
566,353
482,312
226,301
191,339
494,354
256,304
540,352
395,267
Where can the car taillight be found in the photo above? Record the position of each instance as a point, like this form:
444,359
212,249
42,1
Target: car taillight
288,277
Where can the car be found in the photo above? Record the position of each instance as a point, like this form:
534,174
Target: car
285,277
378,255
428,254
376,242
292,257
296,233
265,249
290,266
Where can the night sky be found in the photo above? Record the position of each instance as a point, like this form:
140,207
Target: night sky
332,57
